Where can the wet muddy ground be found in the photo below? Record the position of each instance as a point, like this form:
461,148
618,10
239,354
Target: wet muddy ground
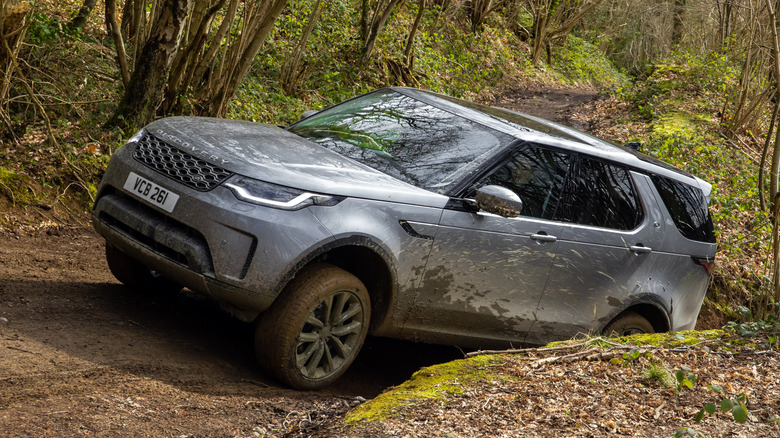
82,354
557,105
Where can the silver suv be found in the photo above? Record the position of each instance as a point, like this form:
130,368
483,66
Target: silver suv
406,214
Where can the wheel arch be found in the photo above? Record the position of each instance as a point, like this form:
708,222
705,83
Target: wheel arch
653,311
362,257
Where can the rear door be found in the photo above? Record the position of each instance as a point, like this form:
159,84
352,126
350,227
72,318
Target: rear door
605,251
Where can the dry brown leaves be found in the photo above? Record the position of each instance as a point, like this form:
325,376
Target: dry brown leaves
544,394
612,118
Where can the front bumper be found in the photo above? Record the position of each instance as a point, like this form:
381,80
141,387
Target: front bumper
213,243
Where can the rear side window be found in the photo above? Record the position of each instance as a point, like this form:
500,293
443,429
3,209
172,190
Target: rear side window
688,208
601,194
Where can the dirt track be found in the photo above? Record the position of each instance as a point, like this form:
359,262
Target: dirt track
557,105
81,354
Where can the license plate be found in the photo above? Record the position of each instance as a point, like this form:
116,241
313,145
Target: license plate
151,192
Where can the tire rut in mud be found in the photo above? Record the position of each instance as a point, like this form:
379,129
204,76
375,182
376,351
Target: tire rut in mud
80,352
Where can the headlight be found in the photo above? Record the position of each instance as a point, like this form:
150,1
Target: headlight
137,136
274,195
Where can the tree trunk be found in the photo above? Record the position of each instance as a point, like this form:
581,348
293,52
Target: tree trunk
128,19
137,36
566,25
725,9
186,60
238,58
408,55
291,69
678,24
540,11
144,93
765,151
13,23
479,10
199,72
113,26
80,19
553,21
378,21
775,169
364,11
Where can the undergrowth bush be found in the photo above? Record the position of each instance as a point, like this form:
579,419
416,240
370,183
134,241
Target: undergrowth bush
56,139
580,62
682,102
448,58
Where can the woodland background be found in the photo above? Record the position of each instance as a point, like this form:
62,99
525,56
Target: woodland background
695,81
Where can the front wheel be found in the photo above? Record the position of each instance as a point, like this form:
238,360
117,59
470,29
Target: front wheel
312,334
628,323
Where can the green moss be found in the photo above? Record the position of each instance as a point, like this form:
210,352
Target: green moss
92,191
663,69
667,86
581,62
676,122
7,176
437,381
728,311
657,371
663,340
12,186
555,344
672,340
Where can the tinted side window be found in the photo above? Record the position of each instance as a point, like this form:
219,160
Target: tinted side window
688,208
537,175
601,194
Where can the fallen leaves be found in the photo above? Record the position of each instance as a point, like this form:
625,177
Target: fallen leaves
581,393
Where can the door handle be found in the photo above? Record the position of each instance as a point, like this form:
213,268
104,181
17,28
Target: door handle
543,237
640,249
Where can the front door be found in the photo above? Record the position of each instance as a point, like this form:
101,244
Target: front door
486,273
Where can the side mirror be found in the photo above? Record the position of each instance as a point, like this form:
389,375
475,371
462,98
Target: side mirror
634,145
499,200
309,113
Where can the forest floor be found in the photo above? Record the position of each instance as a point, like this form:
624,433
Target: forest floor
82,355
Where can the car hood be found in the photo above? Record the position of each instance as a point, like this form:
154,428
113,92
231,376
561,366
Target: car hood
271,154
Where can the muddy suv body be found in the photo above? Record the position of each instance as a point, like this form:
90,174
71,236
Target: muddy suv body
406,214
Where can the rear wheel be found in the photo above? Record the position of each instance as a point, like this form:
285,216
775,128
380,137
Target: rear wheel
135,275
312,334
628,323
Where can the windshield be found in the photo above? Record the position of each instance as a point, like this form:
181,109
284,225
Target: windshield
402,137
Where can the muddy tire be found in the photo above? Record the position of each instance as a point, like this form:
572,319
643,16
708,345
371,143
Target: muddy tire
312,334
135,275
628,323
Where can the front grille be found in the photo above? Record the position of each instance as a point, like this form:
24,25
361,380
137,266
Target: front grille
177,165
